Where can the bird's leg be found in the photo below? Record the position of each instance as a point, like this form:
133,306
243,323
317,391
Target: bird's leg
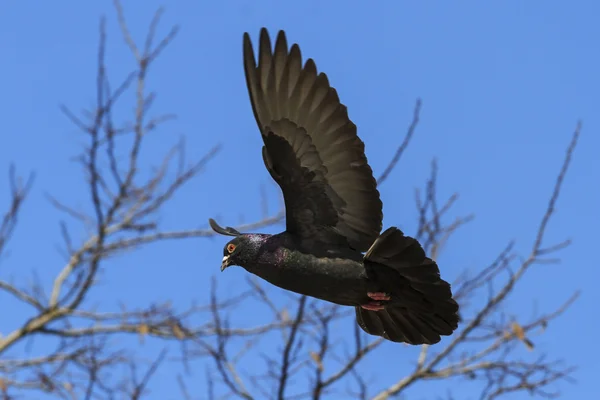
379,296
373,306
377,304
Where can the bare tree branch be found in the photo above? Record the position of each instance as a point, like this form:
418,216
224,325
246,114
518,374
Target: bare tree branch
400,150
501,340
297,352
18,192
123,215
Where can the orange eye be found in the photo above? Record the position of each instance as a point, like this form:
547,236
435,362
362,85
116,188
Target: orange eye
230,248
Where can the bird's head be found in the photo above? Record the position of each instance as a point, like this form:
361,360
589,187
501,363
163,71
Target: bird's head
242,250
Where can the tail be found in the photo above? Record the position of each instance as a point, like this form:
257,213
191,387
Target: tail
422,307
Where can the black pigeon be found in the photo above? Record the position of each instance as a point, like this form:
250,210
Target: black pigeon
333,210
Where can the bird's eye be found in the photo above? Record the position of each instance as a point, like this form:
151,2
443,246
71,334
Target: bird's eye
230,248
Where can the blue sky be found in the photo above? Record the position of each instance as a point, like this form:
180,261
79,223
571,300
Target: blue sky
503,85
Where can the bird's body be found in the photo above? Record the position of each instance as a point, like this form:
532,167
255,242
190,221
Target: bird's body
332,248
340,278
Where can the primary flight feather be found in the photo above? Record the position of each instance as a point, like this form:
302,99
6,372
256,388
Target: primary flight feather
333,210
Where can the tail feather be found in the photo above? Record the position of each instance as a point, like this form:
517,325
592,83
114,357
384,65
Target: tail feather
422,307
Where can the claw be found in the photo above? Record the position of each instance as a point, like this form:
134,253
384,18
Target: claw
373,306
379,296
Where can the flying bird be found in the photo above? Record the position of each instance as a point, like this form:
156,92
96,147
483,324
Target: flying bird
331,248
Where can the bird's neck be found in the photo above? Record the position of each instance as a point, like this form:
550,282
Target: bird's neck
256,243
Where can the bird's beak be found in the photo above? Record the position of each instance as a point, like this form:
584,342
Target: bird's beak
225,263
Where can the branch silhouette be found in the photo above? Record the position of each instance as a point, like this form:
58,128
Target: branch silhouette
295,353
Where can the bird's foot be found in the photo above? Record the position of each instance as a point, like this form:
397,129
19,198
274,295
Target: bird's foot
379,296
373,306
378,301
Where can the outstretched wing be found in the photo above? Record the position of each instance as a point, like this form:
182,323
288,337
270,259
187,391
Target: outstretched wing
311,147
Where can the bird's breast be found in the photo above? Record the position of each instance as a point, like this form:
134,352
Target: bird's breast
337,280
